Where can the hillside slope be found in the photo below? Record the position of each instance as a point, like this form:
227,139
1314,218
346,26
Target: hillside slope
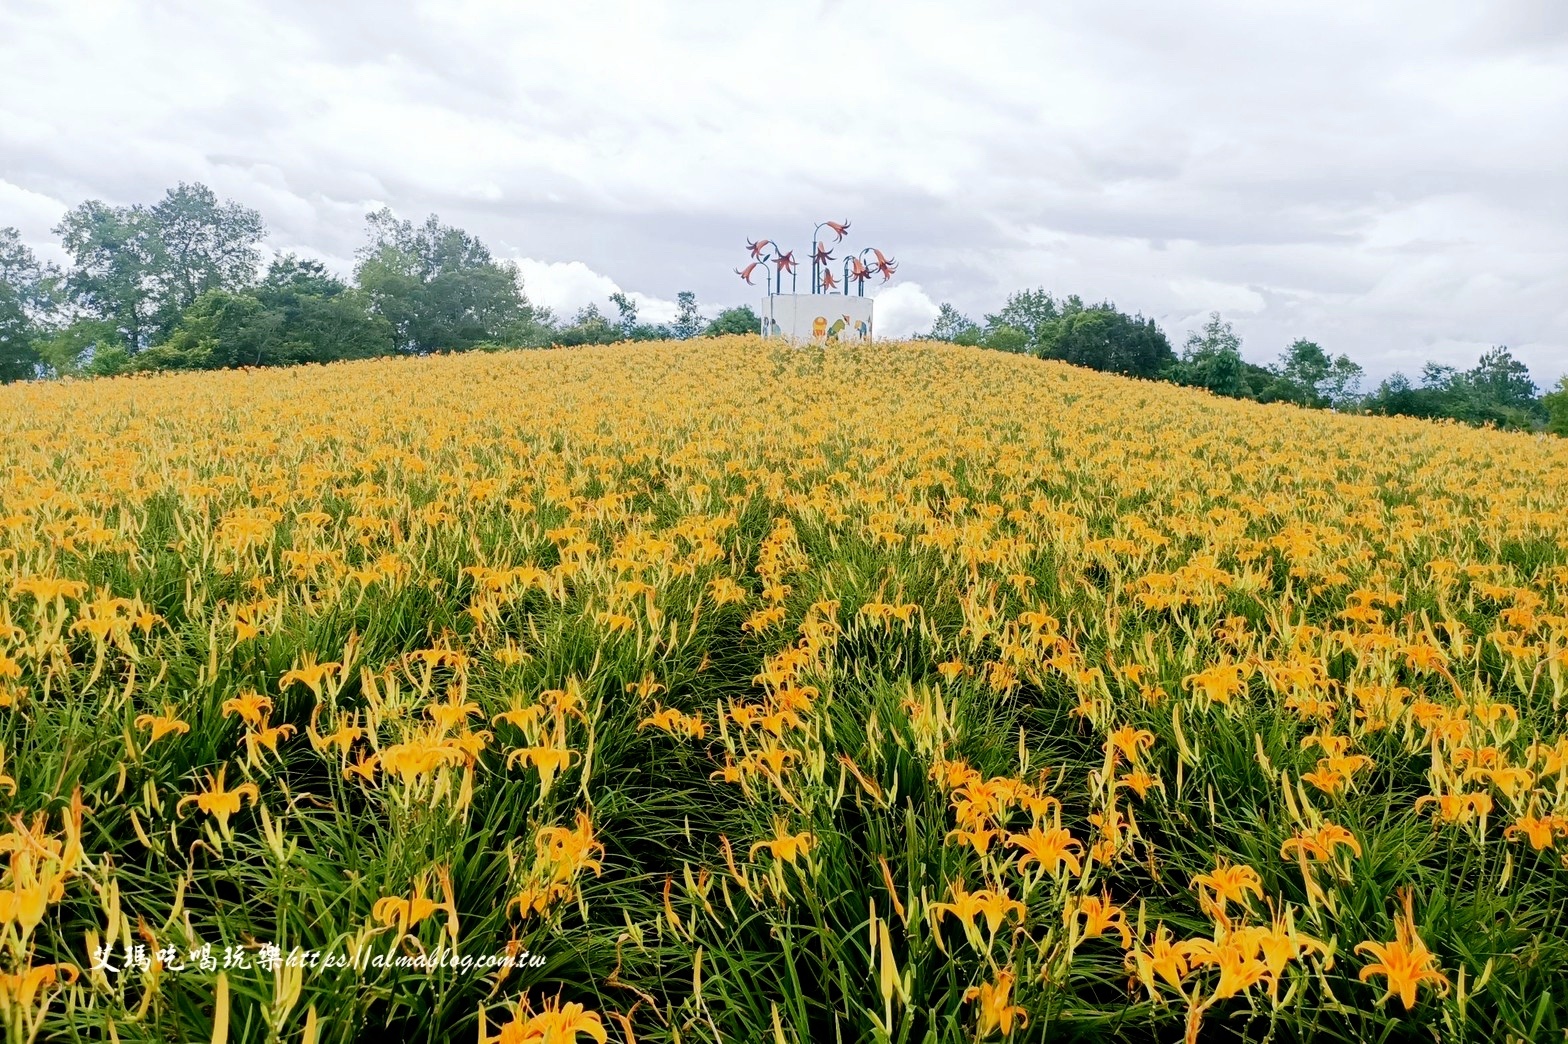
907,691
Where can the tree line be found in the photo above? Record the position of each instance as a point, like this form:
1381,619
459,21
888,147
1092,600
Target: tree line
180,284
1498,390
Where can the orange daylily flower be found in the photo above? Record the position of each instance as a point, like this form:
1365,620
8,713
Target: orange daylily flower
1165,959
1405,964
218,802
309,673
1100,915
549,760
1320,844
1227,883
404,912
995,907
995,1012
162,724
1051,849
784,846
555,1024
1541,830
252,707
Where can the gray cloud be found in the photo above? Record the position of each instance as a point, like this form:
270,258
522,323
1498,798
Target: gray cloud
1384,178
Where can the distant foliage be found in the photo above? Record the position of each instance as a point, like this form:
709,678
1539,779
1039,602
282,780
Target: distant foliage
688,321
439,288
1498,390
742,320
299,313
177,285
1556,405
27,288
1035,322
139,267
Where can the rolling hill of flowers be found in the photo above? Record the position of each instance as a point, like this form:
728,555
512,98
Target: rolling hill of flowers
721,691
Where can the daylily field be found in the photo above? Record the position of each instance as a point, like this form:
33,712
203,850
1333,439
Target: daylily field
719,691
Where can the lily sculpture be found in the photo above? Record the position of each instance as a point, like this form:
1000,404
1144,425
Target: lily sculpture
857,268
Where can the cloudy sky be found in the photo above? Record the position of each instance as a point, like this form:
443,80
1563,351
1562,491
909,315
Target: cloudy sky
1385,178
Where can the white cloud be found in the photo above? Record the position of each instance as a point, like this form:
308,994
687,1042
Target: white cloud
34,212
1199,294
1383,178
566,286
903,310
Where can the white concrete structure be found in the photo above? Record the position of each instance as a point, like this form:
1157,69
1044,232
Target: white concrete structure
816,318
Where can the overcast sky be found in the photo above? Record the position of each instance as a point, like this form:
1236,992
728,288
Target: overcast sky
1385,178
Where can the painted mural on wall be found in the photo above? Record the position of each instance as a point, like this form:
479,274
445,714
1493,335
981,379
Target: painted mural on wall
817,318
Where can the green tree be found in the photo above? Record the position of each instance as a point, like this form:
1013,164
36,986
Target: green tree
1436,395
298,313
203,245
439,288
140,267
1395,396
742,320
626,310
588,326
688,323
27,294
91,346
1005,338
1556,404
1497,390
1501,382
626,322
1342,385
115,259
1103,338
1030,311
951,324
1303,367
1211,359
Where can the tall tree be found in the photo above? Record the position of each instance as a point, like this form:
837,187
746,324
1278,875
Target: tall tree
298,313
1501,381
742,320
588,326
1556,404
27,289
440,288
1497,390
688,321
1103,338
140,267
1302,368
1309,376
626,313
951,324
115,259
1211,359
1029,311
1342,385
204,245
1006,338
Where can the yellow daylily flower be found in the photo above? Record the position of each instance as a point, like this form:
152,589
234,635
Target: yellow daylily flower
162,724
1052,849
1405,964
784,846
252,708
995,1013
219,802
